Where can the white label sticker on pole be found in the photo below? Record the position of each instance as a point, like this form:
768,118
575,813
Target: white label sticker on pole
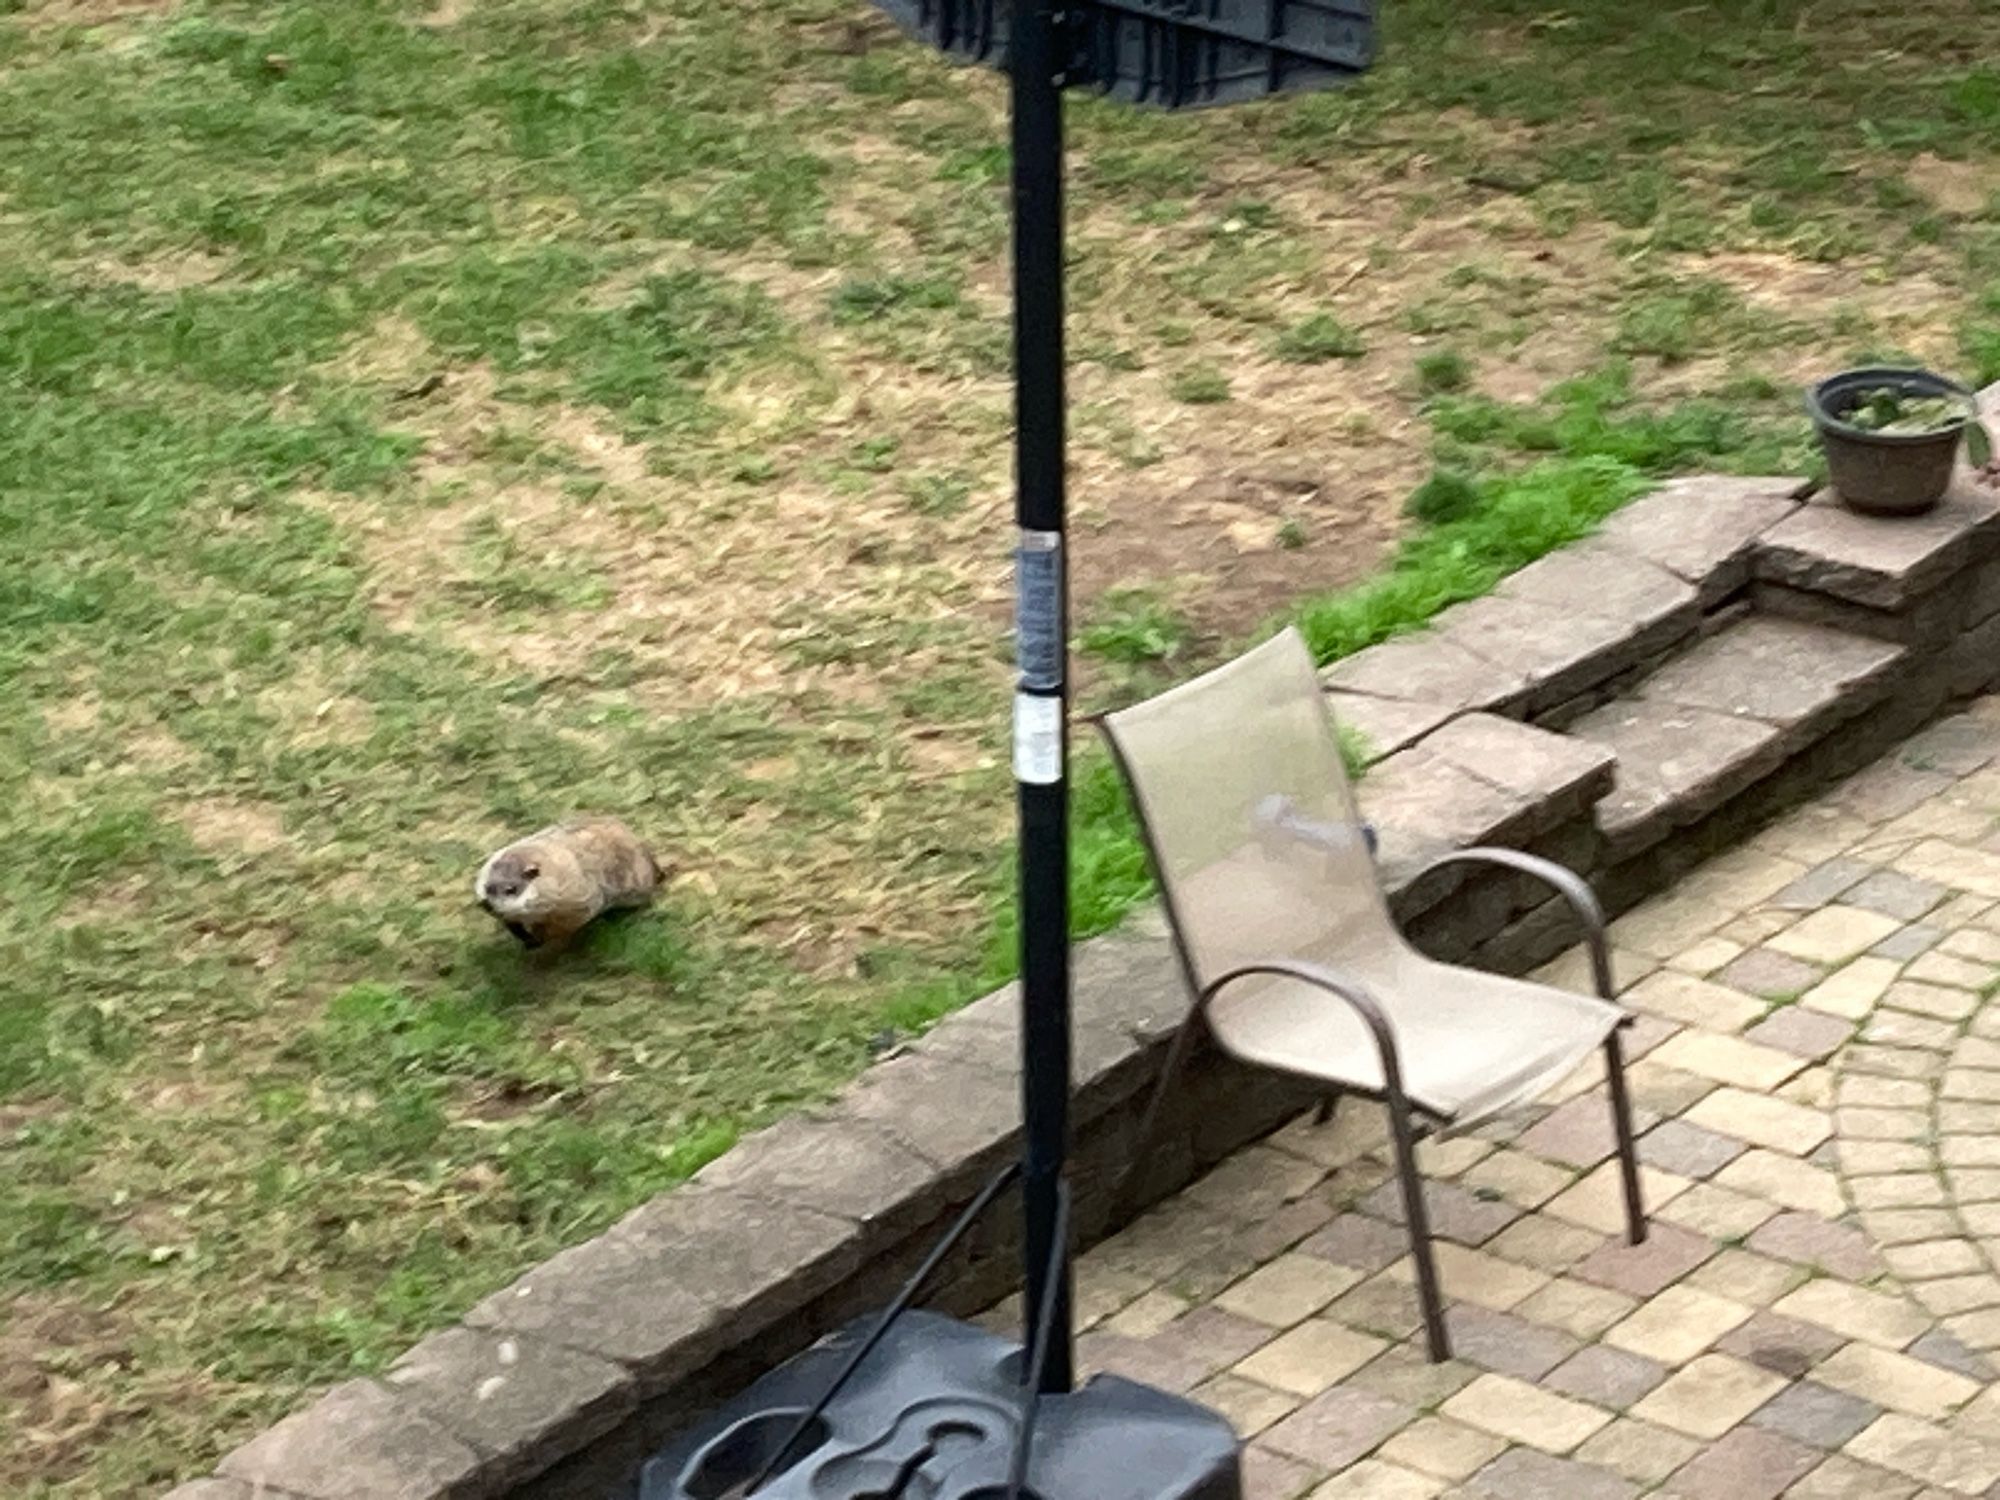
1038,758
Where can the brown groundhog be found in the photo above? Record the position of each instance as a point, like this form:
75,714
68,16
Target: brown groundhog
546,887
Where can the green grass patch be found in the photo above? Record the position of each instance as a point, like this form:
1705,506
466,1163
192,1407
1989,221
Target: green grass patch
409,432
1320,338
1202,385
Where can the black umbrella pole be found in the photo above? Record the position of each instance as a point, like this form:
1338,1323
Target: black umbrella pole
1041,638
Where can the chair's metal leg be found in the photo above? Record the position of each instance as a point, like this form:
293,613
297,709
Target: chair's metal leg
1628,1149
1176,1059
1621,1101
1417,1214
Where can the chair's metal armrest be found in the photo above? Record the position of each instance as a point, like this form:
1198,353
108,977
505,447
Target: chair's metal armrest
1571,886
1349,991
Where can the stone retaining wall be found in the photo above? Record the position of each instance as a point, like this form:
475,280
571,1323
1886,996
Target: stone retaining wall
1627,706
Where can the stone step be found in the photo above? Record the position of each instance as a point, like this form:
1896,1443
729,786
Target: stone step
1725,713
1478,779
1545,643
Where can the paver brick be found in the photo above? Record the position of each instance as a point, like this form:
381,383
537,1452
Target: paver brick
1677,1325
1667,1255
1688,1150
1823,883
1605,1376
1521,1413
1897,1190
1505,1344
1473,1276
1741,1276
1905,943
1971,1083
1338,1426
1284,1291
1254,1183
1578,1133
1708,1396
1309,1358
1694,1002
1357,1240
1969,1151
1864,1089
1974,943
1455,1214
1810,1240
1544,1243
1598,1201
1856,1312
1899,1028
1844,1478
1716,1212
1974,1184
1931,1454
1932,1259
1248,1406
1816,1414
1755,928
1834,934
1786,1181
1973,870
1762,1121
1385,1305
1896,1381
1802,1032
1372,1479
1943,967
1747,1464
1518,1177
1893,1062
1146,1314
1440,1446
1727,1059
1895,894
1404,1375
1524,1474
1947,1351
1905,1226
1852,990
1784,1346
1940,1002
1703,958
1271,1475
1638,1451
1574,1307
1770,974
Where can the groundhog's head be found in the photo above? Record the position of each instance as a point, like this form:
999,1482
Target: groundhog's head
508,889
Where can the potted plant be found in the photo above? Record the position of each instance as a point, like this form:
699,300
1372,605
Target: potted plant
1891,436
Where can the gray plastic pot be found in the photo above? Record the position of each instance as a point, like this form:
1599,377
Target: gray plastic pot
1886,473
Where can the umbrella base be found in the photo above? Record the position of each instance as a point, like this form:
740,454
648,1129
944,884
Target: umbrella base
934,1414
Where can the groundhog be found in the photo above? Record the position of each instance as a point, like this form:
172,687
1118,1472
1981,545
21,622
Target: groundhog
546,887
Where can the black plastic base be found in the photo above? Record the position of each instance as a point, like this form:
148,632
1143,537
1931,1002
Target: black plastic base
932,1414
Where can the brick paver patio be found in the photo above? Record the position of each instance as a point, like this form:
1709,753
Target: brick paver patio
1818,1080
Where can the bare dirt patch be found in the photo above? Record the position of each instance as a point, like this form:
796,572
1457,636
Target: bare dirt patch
55,1355
174,271
1961,188
94,12
231,827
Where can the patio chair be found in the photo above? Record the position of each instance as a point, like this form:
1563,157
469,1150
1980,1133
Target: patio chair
1288,947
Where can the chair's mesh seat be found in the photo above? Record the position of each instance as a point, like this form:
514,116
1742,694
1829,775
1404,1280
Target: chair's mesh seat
1258,845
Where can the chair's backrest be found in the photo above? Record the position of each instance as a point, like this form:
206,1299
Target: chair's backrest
1247,812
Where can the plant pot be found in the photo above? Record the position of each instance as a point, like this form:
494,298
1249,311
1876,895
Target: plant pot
1886,473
